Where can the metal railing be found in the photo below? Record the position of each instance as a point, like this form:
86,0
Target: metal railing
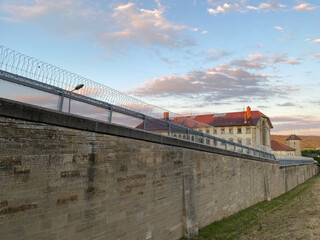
17,68
287,160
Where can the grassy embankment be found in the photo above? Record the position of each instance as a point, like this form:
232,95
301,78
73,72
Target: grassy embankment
247,220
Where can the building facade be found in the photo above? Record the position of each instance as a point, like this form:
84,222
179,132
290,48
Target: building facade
282,149
295,142
246,127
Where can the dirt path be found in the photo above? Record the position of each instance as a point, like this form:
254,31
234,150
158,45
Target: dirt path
299,219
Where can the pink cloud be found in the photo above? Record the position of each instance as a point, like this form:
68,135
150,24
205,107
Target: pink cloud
259,61
144,27
304,7
126,25
304,125
215,84
270,6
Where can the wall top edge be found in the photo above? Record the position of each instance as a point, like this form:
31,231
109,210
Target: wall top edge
27,112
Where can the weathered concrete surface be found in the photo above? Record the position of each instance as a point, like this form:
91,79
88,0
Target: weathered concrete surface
65,177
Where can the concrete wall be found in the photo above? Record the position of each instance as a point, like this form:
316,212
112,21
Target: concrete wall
65,177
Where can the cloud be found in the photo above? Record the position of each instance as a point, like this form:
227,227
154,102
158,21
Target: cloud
290,118
316,40
304,125
215,54
287,104
254,47
304,7
241,6
65,17
254,61
204,32
225,8
228,82
316,102
45,100
283,59
144,27
262,107
221,2
125,25
214,84
291,61
270,6
295,129
259,61
278,28
35,9
316,55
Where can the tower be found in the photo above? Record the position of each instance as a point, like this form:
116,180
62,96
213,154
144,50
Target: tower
295,142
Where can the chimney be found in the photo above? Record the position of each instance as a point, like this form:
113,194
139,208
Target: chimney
166,116
248,113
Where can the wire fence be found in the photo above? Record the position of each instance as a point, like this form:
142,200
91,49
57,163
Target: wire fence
50,86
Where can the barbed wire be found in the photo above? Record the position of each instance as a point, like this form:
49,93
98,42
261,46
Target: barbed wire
29,67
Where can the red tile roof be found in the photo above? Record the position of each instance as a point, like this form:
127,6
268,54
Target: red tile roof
276,146
215,120
230,119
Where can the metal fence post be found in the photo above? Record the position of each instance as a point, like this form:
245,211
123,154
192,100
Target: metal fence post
110,115
144,122
61,101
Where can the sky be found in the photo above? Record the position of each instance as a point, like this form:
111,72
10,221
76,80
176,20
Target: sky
190,56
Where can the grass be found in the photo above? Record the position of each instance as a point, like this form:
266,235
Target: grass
244,221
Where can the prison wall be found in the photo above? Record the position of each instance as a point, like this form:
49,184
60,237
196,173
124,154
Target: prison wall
67,177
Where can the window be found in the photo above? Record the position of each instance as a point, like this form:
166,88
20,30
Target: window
192,138
222,130
239,131
231,130
220,115
208,131
248,130
239,141
248,141
215,131
208,141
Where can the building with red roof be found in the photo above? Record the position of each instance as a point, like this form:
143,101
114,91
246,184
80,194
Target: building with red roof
280,148
251,126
